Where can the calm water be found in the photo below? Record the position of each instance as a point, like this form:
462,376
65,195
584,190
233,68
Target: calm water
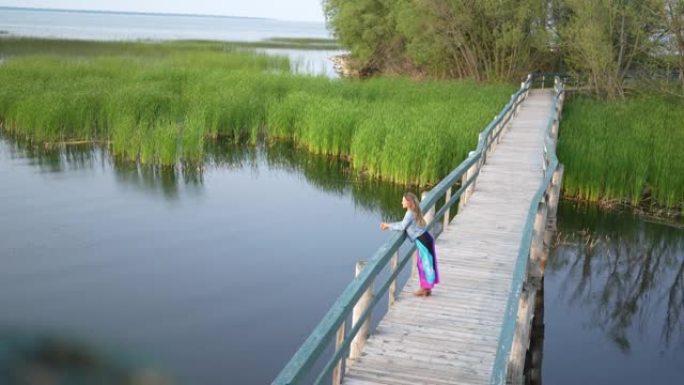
135,26
83,25
215,277
614,301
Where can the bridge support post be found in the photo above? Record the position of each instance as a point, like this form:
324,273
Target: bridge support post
337,372
554,195
521,339
537,258
393,286
526,306
360,339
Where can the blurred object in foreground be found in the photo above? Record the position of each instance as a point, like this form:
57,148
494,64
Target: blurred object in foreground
38,359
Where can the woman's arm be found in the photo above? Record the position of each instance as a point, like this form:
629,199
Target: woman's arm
399,226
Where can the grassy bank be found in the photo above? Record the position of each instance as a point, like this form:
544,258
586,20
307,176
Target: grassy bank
161,103
629,152
11,46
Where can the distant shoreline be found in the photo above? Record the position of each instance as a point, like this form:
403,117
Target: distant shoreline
146,14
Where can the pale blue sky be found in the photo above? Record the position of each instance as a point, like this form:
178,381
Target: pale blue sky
302,10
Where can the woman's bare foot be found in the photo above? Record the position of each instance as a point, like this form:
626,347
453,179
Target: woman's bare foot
422,292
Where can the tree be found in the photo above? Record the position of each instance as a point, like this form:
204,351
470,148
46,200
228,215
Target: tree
673,21
603,40
366,28
484,40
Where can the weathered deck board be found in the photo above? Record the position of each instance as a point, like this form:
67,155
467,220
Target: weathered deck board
452,336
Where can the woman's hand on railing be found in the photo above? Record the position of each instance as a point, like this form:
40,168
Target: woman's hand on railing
384,226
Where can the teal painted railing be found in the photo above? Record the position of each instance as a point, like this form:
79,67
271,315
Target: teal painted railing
328,331
551,163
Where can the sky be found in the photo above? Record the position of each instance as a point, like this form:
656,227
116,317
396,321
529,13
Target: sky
296,10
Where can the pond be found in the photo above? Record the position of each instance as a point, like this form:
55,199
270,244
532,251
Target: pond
613,300
224,270
206,273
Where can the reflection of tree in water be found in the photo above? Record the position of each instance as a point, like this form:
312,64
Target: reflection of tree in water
30,359
631,271
165,180
335,176
56,158
331,175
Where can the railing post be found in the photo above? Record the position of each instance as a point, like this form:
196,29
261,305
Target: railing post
360,339
554,193
429,215
447,196
554,131
393,286
464,179
484,150
495,131
505,122
537,260
337,372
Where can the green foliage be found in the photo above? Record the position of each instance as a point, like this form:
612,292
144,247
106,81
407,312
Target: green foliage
484,40
603,43
604,39
624,150
366,27
165,108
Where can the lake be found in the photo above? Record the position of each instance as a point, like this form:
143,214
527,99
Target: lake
210,275
89,25
613,300
119,26
222,272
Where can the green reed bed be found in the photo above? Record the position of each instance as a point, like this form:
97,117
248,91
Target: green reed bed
628,151
159,105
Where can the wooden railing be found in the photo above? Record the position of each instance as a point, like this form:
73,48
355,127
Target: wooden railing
528,264
357,300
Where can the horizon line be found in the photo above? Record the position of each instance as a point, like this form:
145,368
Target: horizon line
151,13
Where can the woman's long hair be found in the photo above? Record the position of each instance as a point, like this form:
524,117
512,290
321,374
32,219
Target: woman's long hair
414,206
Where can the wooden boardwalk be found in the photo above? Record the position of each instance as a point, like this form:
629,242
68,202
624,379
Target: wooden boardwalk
452,336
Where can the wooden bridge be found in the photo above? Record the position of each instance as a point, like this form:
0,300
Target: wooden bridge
475,327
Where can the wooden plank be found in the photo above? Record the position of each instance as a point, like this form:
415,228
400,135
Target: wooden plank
420,373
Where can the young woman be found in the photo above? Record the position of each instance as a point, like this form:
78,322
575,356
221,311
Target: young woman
426,259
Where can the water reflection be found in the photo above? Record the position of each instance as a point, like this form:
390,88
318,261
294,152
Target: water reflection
118,252
54,159
331,175
628,274
165,181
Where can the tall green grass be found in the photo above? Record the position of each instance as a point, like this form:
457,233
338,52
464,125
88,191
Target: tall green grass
630,151
161,104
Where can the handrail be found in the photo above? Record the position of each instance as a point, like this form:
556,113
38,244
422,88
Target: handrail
297,369
501,360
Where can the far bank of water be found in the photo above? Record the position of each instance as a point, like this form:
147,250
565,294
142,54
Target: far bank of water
147,27
614,300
